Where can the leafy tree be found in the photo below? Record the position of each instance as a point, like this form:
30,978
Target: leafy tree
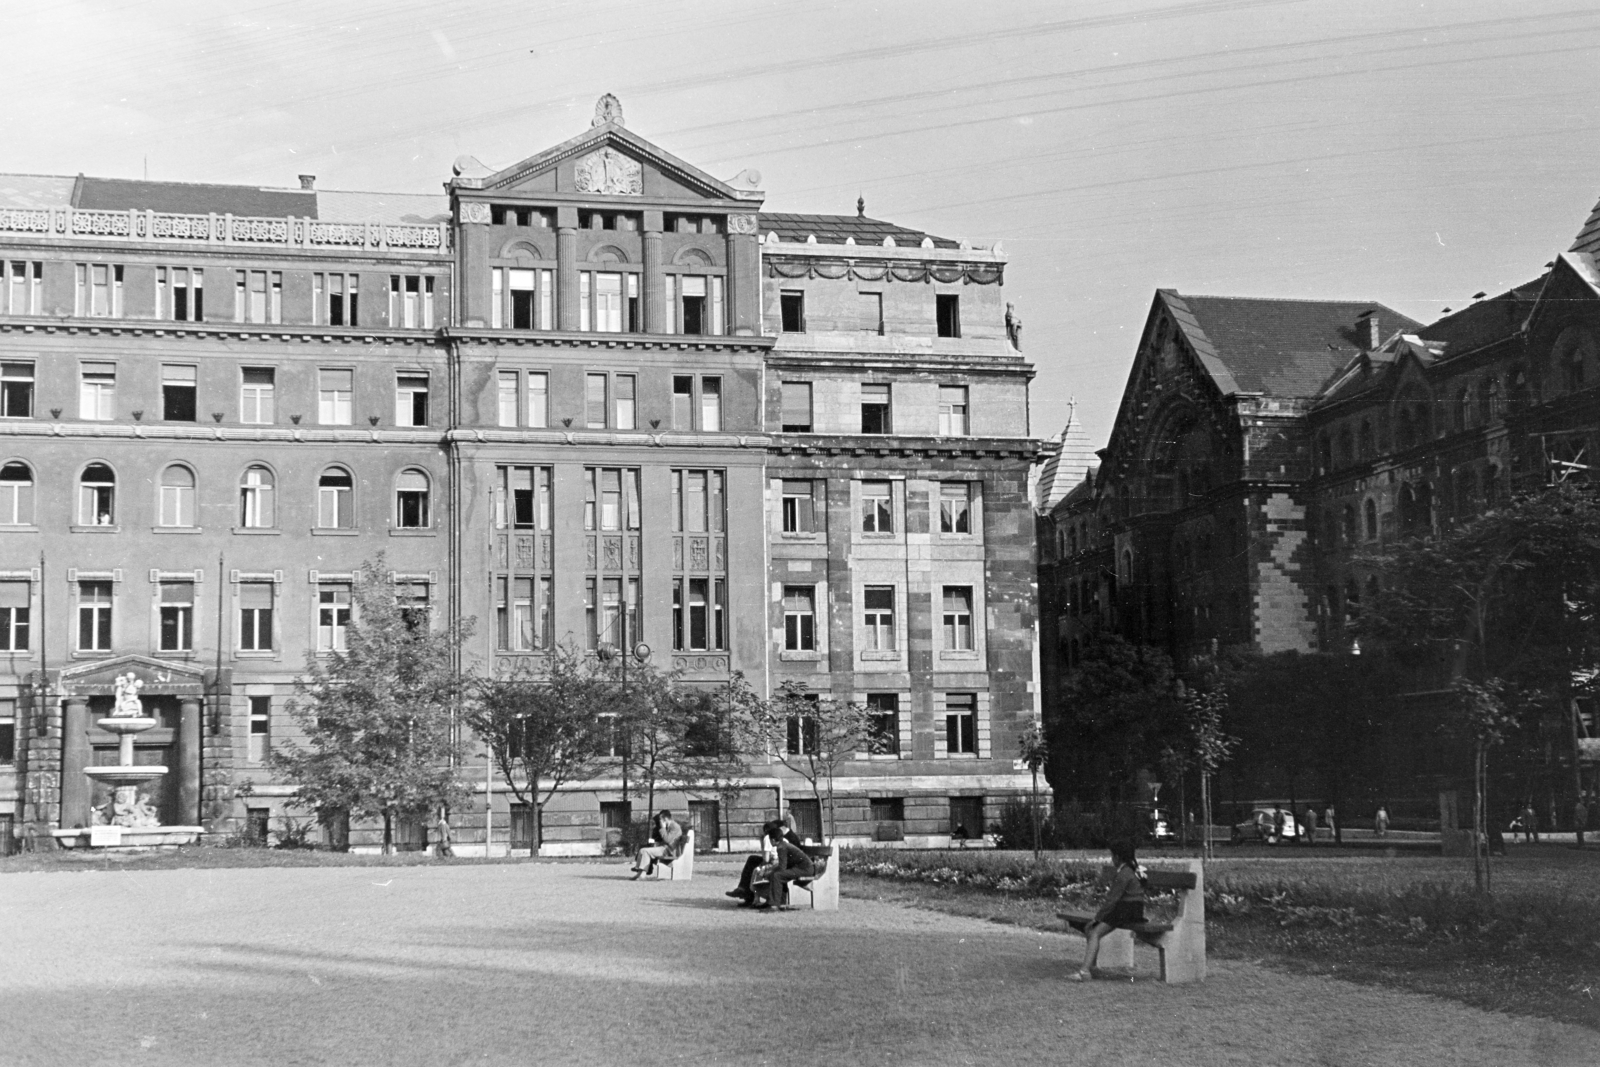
810,735
1034,750
1202,743
1119,709
379,715
546,730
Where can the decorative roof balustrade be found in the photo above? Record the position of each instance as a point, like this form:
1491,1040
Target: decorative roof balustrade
290,232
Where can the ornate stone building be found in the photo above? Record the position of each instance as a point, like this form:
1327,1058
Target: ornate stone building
597,396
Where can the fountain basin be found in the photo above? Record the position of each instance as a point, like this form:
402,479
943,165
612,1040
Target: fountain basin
127,724
115,775
127,837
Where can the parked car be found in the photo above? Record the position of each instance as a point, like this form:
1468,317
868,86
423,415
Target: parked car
1262,825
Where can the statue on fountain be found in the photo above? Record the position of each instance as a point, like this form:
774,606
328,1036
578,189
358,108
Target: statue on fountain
127,807
127,704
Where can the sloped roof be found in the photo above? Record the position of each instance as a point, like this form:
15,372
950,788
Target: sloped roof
1277,347
191,198
35,190
833,229
1069,465
1485,321
1588,239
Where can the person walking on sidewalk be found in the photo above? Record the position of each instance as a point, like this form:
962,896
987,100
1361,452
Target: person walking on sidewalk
1380,822
442,846
1580,819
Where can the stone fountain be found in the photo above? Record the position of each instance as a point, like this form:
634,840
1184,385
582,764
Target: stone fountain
128,820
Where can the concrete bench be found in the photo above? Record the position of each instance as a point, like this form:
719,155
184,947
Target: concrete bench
1181,943
681,867
821,892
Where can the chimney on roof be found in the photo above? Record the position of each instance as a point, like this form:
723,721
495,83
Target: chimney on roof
861,207
308,181
1367,336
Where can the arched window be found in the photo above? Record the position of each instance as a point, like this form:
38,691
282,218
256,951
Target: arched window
1368,445
411,500
1463,408
335,500
1490,402
257,508
97,496
16,494
1371,509
1574,369
177,496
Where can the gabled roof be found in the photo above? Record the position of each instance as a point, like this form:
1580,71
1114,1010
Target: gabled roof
1485,321
1286,348
611,134
191,198
834,229
1588,239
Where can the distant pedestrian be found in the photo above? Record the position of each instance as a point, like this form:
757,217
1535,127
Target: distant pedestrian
1380,822
1530,824
1311,825
1580,819
441,845
1277,822
1327,819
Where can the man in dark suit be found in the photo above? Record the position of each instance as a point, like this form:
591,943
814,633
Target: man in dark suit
773,831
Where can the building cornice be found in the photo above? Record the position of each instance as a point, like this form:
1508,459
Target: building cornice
195,331
37,429
623,438
903,445
663,342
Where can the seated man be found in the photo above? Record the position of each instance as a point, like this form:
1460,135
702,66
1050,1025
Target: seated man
792,864
670,834
771,831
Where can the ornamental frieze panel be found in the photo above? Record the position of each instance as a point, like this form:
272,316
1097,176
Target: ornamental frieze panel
836,270
609,173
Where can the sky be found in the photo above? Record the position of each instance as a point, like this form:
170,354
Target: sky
1408,153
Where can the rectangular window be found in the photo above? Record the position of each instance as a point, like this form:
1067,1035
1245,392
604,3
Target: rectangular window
961,724
94,616
8,743
952,411
947,311
877,507
595,401
875,409
879,618
611,498
694,312
799,618
256,389
177,616
335,299
97,392
15,607
802,740
955,508
886,809
884,738
178,393
796,412
507,380
792,311
591,610
24,284
16,494
711,405
526,492
255,616
180,294
682,402
16,390
958,617
799,507
413,602
871,312
608,303
258,296
411,400
538,399
411,301
699,614
99,291
525,621
698,501
334,389
260,729
333,616
626,414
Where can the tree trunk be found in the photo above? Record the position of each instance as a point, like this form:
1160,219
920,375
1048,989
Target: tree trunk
1035,814
537,811
388,832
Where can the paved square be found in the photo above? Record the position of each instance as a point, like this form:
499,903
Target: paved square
574,964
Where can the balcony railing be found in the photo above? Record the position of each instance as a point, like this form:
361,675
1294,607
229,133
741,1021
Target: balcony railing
289,232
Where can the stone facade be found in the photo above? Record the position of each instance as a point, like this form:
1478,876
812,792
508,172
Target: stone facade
553,398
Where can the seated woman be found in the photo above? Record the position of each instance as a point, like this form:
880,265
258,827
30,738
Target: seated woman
1124,906
670,836
771,831
791,864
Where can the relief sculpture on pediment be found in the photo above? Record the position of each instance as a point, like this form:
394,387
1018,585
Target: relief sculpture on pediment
609,173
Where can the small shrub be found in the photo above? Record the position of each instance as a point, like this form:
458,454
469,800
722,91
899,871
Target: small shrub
297,833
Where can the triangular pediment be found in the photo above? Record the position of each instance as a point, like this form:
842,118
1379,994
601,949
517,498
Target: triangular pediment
607,160
99,677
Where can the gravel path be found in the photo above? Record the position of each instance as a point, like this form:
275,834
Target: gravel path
574,964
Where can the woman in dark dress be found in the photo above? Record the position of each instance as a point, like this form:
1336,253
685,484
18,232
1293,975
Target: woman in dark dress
1124,906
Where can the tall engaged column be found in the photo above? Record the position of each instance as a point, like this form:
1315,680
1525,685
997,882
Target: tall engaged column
744,276
655,305
567,278
188,769
74,758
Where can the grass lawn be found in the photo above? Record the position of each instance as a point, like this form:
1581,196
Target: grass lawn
572,963
1402,922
